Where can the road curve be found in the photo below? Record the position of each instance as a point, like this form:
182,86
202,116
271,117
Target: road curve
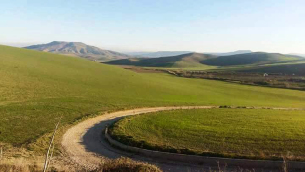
84,143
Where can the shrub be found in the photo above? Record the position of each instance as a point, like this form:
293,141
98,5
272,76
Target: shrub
224,106
126,165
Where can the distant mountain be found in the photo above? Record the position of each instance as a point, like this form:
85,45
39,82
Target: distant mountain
137,54
232,53
158,53
176,53
251,58
296,54
79,49
180,61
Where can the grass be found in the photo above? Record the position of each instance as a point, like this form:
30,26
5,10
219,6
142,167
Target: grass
108,165
249,67
37,88
189,60
251,58
241,133
288,81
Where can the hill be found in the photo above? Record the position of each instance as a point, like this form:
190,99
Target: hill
177,53
286,69
37,88
207,61
251,58
78,49
180,61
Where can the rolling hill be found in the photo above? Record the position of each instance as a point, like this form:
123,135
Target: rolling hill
288,69
37,88
78,49
251,58
180,61
207,61
177,53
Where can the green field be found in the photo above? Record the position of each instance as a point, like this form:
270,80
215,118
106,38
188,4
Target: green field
243,133
37,88
252,58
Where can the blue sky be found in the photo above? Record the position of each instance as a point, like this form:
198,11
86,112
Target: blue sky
155,25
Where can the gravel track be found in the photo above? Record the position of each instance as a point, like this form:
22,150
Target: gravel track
85,145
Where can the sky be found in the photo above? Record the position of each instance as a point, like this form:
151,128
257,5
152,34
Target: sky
158,25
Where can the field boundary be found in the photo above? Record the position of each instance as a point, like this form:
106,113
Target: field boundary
214,161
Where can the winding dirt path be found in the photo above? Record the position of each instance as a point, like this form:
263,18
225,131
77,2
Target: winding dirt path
85,145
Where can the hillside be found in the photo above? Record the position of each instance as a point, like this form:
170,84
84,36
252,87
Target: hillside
177,53
38,87
207,61
288,69
251,58
78,49
180,61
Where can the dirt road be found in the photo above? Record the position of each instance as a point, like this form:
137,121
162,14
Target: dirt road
85,145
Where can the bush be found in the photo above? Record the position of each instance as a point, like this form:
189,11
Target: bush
261,83
224,106
126,165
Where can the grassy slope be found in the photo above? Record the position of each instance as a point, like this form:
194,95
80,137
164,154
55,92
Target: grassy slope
298,69
180,61
225,132
197,61
251,58
36,88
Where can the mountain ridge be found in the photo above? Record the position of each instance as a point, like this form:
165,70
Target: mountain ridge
79,49
157,54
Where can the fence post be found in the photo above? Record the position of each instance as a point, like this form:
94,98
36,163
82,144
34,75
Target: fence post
46,163
1,152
